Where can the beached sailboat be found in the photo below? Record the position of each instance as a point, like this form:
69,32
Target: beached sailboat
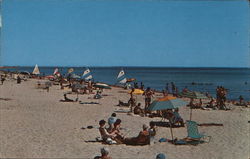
121,78
56,73
87,75
36,70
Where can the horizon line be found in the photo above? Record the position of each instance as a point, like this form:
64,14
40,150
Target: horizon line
131,66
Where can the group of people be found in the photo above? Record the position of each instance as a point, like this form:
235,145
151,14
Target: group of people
113,135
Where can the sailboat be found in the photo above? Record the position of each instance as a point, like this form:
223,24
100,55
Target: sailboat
36,70
87,75
57,73
121,78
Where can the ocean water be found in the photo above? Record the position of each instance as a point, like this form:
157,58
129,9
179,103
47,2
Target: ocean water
236,80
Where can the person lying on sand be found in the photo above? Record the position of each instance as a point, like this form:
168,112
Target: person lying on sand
107,137
121,103
105,154
141,139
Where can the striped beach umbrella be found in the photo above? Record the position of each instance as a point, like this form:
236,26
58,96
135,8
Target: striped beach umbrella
167,102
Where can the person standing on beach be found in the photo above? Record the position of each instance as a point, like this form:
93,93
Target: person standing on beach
2,79
148,95
173,87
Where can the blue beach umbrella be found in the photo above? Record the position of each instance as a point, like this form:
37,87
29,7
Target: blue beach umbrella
167,102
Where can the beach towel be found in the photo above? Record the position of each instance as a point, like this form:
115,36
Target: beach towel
88,103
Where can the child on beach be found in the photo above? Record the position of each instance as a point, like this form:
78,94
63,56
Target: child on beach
107,137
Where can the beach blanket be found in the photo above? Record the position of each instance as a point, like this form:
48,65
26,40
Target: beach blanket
122,111
210,124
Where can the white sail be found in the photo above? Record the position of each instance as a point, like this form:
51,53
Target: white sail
36,70
86,72
89,77
56,71
121,73
123,81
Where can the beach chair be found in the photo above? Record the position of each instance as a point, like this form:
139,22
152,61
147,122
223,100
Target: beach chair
193,132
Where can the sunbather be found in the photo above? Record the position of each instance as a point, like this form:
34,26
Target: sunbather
123,104
138,109
116,130
107,137
141,139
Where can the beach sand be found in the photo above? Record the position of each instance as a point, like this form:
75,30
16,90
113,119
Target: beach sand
34,124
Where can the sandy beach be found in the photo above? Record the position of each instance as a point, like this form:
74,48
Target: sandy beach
34,124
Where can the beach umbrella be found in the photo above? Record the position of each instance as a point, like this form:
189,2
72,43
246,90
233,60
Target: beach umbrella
102,85
193,95
136,92
167,102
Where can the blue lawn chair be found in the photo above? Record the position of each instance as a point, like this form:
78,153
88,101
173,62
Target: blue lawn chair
193,132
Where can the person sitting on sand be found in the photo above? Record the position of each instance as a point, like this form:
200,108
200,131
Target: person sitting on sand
67,99
138,110
18,80
141,139
111,121
211,104
152,131
107,137
177,118
191,103
98,95
116,130
105,154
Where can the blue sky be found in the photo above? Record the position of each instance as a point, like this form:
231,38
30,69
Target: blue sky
125,33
